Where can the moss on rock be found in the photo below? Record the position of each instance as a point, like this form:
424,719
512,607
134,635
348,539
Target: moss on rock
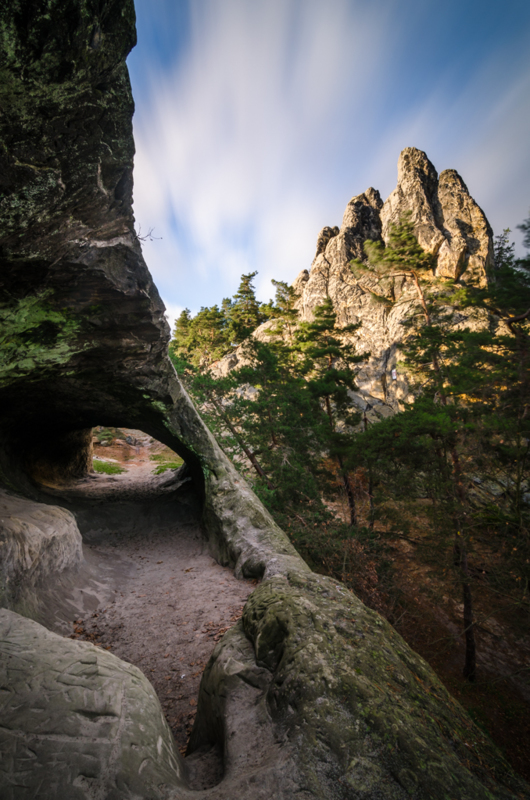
365,716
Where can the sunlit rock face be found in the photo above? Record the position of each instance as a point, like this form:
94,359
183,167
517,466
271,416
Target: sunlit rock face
311,695
447,222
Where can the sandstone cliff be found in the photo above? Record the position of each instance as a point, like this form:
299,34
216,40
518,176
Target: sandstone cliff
311,695
447,222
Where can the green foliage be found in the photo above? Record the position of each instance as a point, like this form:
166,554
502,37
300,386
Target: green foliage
277,415
459,452
108,434
402,255
327,361
213,332
35,333
106,467
463,444
268,421
503,250
244,314
204,338
525,228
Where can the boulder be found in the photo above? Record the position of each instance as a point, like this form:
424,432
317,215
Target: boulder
332,703
37,544
77,722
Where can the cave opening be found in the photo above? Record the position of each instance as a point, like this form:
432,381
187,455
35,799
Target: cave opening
147,589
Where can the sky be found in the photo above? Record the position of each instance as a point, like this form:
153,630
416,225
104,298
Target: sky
258,120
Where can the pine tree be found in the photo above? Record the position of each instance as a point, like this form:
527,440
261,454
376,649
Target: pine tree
179,343
244,314
503,250
469,424
327,364
432,420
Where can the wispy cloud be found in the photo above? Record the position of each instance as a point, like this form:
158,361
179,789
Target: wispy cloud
275,113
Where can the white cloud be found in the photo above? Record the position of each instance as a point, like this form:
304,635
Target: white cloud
235,144
173,312
279,111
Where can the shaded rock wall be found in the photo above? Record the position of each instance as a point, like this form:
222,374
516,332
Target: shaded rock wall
84,342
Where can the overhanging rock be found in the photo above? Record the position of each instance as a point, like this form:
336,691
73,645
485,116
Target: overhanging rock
312,695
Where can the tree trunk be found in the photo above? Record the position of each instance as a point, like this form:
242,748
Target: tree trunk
344,473
251,457
460,562
370,484
349,490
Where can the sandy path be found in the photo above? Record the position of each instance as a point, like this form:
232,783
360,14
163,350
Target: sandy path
163,601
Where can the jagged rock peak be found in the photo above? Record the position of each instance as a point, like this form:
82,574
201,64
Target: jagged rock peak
447,221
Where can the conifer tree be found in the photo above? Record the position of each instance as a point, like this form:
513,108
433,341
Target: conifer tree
469,423
265,412
244,314
180,341
327,364
204,338
433,420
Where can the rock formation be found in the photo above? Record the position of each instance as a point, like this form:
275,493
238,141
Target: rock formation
447,223
119,744
311,695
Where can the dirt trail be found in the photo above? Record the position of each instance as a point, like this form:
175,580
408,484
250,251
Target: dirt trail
155,597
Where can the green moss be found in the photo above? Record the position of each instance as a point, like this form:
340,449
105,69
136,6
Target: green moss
166,461
342,675
168,465
34,335
159,406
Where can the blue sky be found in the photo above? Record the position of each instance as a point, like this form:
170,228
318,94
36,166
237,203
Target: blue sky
257,120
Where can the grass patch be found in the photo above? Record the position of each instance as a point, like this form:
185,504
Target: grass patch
166,461
108,434
104,467
167,465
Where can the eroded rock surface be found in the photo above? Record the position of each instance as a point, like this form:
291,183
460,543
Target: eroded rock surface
335,705
37,543
84,343
77,722
447,223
